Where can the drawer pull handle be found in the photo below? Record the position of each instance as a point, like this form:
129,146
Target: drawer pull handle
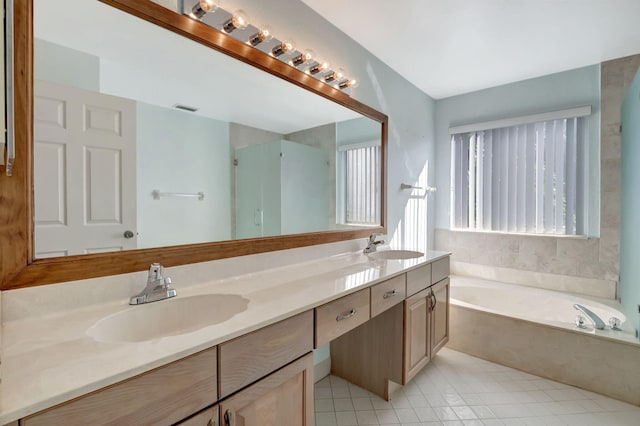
389,294
346,315
432,300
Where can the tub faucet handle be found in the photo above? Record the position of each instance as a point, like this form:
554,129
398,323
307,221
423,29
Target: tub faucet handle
615,323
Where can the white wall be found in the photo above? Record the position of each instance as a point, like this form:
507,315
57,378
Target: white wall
181,152
411,112
58,64
357,130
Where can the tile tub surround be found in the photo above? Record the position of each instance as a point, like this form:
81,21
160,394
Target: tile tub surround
573,357
563,264
49,359
458,389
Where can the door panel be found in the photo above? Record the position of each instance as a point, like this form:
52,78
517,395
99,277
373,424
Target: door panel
416,334
51,210
440,315
102,174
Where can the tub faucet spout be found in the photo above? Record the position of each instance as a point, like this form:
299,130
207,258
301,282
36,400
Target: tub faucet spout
595,319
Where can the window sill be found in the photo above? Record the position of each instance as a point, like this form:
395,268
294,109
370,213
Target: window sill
522,234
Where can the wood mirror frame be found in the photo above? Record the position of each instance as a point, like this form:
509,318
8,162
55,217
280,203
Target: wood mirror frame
18,266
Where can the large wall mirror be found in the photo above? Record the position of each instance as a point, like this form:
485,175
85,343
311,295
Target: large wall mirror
151,141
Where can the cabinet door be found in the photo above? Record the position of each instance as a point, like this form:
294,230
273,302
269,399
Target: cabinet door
416,334
282,398
440,316
208,417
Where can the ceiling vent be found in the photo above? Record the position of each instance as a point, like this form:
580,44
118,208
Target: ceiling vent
185,107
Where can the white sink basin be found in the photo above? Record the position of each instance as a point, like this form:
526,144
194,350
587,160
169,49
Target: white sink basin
395,254
167,318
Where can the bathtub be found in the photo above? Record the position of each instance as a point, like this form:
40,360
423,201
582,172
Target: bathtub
534,330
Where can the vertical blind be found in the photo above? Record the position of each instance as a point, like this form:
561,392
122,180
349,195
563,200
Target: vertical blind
528,178
362,178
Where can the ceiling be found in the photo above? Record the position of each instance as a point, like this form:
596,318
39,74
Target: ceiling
161,68
451,47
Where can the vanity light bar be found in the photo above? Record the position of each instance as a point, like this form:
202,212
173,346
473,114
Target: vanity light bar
283,50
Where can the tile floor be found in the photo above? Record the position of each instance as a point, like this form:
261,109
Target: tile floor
458,389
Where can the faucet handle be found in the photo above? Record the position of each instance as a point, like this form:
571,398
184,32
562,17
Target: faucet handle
155,271
372,237
615,323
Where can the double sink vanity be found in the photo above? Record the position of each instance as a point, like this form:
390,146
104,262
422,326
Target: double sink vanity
235,345
232,351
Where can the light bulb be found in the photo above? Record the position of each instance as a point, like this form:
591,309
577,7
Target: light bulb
203,7
334,76
353,83
284,47
264,34
320,66
239,20
209,5
303,58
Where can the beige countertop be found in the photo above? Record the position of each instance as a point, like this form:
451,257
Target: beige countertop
50,358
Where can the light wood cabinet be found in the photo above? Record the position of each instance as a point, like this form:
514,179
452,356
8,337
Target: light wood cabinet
162,396
282,398
254,355
440,270
208,417
335,318
267,376
426,327
371,355
440,315
396,344
418,279
417,327
387,294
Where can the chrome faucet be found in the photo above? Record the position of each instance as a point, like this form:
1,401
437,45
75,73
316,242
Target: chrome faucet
158,287
595,319
372,244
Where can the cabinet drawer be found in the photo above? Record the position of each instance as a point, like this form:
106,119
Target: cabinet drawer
336,318
161,396
387,294
255,355
439,270
418,279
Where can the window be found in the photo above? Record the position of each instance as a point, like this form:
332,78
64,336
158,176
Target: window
524,178
361,165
